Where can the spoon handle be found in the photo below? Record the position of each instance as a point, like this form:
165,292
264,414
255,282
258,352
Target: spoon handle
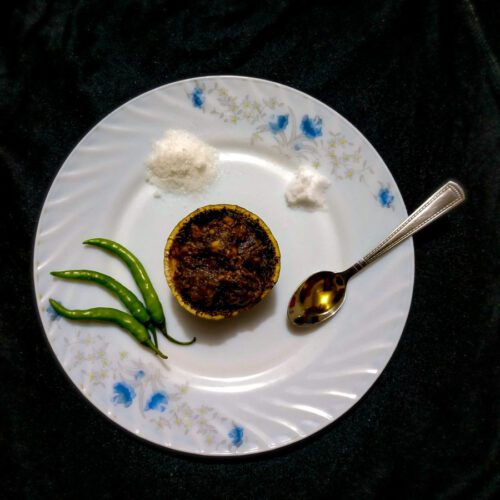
442,201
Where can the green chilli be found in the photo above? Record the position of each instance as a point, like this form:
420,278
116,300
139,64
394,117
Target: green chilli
143,282
110,315
139,274
128,298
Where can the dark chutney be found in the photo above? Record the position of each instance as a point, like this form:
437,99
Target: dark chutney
225,261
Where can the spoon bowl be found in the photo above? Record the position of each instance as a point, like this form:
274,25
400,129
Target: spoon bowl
322,295
318,298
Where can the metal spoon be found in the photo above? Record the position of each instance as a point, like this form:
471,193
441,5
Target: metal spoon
321,295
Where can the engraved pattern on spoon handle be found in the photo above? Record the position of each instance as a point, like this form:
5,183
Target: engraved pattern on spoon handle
442,201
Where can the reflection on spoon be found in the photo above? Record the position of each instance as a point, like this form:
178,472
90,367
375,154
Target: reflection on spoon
321,295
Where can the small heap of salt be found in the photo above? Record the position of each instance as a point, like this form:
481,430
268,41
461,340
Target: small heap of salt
307,188
181,162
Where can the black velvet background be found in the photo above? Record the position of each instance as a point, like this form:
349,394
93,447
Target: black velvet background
421,80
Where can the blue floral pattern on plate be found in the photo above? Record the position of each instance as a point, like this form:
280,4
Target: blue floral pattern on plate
146,391
124,394
385,197
307,139
158,401
236,435
279,124
311,127
197,97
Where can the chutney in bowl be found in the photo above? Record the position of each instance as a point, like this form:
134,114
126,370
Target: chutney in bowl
221,260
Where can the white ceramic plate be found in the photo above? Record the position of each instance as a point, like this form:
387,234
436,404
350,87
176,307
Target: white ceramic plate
253,383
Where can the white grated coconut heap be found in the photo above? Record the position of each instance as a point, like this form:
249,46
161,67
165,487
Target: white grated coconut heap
181,162
307,188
